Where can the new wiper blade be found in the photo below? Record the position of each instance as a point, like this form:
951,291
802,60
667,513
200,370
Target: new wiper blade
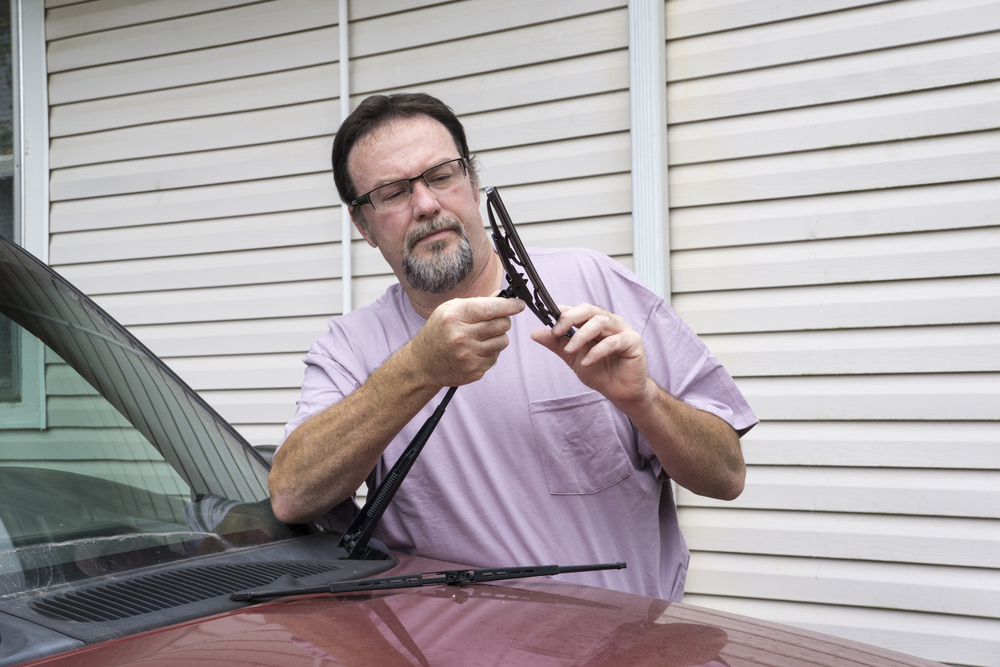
444,577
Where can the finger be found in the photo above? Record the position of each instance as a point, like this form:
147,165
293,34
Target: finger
491,307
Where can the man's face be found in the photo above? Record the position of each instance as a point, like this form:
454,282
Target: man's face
435,241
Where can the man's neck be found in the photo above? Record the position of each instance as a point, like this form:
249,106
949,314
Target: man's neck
481,283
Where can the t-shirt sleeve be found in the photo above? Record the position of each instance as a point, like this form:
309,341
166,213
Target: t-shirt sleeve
681,364
325,383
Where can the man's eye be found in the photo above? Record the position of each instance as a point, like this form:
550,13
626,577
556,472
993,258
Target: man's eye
393,194
440,178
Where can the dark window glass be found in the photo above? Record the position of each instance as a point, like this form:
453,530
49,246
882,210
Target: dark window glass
9,372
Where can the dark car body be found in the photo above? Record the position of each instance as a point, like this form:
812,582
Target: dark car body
131,511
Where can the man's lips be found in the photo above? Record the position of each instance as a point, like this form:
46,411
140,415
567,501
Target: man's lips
431,236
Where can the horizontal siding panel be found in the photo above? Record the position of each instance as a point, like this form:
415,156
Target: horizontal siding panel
267,126
75,444
188,33
101,15
959,640
694,17
861,305
907,163
567,200
895,539
298,86
858,76
924,588
250,267
609,235
214,201
954,493
244,337
259,371
463,20
578,36
548,121
262,434
960,348
951,349
872,28
82,412
319,297
557,161
254,406
269,230
973,396
916,209
244,59
531,84
233,165
910,116
962,252
942,445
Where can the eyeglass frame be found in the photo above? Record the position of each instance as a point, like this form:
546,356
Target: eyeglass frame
366,198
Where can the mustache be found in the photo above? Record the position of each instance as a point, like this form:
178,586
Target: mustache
432,227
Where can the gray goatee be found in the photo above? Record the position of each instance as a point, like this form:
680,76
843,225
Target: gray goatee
442,272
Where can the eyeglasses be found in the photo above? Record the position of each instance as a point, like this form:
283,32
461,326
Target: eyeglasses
395,195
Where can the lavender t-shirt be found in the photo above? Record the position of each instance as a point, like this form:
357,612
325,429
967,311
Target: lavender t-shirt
528,466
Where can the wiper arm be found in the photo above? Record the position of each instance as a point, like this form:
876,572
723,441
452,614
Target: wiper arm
445,577
355,540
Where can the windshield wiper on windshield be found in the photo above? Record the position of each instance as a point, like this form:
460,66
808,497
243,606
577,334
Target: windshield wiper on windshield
444,577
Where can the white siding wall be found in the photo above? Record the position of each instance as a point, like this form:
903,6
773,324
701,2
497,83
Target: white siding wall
836,242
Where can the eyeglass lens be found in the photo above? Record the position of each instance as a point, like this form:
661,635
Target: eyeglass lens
395,195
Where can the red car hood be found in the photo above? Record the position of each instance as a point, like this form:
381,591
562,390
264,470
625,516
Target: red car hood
527,622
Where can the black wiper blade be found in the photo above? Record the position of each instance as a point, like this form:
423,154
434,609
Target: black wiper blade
444,577
513,254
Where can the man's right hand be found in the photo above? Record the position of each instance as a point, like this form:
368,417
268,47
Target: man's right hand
463,338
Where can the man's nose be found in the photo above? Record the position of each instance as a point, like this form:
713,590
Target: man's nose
423,200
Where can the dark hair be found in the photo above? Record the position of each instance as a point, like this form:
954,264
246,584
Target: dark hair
380,110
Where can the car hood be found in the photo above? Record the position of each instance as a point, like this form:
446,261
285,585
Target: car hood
530,622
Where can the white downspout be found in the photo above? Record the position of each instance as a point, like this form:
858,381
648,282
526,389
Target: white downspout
346,226
648,111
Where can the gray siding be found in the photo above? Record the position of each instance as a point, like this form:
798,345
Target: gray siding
834,182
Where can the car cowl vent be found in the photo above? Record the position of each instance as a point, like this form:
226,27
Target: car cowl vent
114,600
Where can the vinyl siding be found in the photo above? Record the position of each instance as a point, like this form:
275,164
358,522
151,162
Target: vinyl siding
834,183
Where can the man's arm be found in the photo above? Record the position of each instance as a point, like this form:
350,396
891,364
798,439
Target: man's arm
328,456
698,450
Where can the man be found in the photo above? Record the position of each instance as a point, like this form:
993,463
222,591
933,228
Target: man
556,451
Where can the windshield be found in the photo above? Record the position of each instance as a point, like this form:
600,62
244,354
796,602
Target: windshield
108,462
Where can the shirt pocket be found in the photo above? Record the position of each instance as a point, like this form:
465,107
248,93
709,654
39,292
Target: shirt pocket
580,448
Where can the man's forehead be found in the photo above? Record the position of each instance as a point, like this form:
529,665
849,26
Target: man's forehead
402,144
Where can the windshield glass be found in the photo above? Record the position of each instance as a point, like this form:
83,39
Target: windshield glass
108,462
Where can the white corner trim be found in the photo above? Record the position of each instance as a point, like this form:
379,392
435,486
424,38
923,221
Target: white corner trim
648,116
31,113
346,226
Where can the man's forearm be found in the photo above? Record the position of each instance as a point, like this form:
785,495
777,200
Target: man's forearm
698,450
328,456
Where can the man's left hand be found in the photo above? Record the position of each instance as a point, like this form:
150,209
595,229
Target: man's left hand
605,352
